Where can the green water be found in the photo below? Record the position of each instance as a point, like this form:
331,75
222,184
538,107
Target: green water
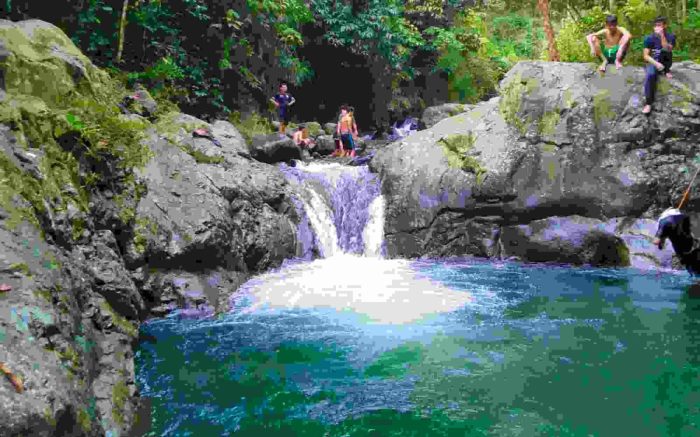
542,350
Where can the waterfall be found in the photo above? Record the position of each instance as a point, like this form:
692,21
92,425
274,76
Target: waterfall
341,205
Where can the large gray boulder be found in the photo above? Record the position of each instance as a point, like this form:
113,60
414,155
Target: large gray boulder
274,148
560,141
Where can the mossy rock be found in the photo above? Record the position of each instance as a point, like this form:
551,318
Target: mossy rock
315,128
43,62
548,123
511,100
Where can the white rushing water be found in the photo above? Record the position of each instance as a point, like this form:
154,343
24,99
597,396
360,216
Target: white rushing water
382,291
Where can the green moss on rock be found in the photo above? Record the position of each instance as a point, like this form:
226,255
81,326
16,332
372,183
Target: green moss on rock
511,101
456,148
601,106
120,322
120,394
548,123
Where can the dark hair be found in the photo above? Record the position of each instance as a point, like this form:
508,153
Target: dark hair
660,19
344,107
611,19
283,83
351,109
301,126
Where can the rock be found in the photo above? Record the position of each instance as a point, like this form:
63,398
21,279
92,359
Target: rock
551,145
330,128
272,148
433,114
325,145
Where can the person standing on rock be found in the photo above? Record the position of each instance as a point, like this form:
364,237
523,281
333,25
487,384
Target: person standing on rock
616,43
347,129
282,102
658,49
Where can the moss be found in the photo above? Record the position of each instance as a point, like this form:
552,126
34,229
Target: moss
120,322
126,213
78,226
456,148
663,87
629,80
49,417
601,106
458,110
84,420
254,124
120,393
203,158
624,253
549,148
511,101
569,102
22,268
548,122
685,96
551,171
70,357
142,226
315,128
45,294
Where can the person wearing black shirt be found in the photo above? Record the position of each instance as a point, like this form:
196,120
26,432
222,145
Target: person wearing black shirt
675,226
658,49
283,101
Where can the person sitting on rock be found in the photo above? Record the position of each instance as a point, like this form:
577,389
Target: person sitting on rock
658,49
301,138
675,225
616,43
347,129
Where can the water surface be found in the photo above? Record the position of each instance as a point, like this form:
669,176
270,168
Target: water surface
356,346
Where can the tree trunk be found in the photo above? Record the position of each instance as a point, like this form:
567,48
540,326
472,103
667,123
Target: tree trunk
543,6
122,26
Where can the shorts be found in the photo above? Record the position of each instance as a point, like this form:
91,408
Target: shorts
285,117
610,53
348,141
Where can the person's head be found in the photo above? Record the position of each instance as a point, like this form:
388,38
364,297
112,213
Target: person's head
611,22
344,109
283,87
660,24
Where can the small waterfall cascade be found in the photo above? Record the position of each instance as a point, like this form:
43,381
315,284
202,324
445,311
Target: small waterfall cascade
342,209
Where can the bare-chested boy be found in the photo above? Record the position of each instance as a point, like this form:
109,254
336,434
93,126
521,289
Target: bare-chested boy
616,43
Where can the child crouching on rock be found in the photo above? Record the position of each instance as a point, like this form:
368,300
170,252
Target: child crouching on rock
301,138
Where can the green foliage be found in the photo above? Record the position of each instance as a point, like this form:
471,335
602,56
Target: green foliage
22,268
456,148
254,124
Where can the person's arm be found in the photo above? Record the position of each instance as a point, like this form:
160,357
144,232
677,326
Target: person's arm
275,102
354,127
291,101
626,37
591,37
661,235
647,55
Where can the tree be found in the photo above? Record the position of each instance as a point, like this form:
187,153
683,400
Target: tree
543,6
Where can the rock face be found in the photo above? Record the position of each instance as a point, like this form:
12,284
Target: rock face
86,266
274,148
562,152
433,114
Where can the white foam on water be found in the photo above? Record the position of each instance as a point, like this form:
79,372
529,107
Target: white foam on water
385,291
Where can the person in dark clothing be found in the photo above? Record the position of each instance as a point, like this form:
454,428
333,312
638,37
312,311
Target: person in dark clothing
658,48
283,101
675,226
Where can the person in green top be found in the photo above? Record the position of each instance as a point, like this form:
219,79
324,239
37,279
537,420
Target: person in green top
616,43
